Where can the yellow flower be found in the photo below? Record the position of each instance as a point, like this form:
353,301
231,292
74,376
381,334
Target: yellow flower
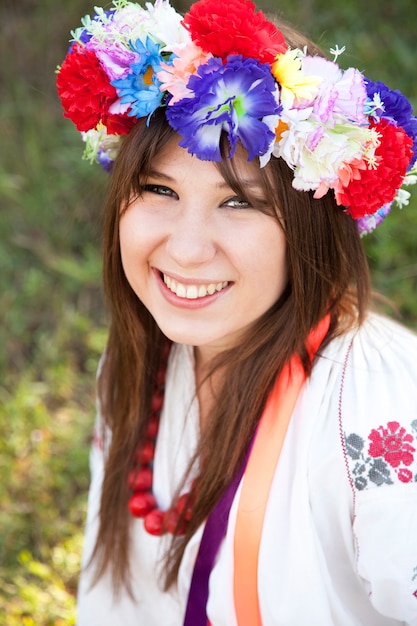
296,87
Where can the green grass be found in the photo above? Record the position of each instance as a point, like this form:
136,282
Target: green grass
53,323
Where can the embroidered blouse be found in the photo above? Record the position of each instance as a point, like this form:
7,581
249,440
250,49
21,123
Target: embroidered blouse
339,542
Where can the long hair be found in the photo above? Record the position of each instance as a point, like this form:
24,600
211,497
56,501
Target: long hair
327,272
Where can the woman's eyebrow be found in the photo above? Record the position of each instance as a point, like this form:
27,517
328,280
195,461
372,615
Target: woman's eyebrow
221,184
161,175
244,182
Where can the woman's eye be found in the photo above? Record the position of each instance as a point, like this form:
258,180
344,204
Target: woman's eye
160,190
238,203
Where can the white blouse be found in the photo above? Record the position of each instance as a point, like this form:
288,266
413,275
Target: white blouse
339,543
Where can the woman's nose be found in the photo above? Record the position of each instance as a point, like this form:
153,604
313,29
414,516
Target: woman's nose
191,241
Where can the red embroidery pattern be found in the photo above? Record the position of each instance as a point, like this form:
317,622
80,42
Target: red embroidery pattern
393,444
384,458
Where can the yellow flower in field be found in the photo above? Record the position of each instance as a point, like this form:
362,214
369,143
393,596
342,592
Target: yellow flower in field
296,88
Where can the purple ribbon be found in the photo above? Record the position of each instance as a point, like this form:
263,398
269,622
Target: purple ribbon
213,534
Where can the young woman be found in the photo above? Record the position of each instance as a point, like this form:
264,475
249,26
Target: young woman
255,457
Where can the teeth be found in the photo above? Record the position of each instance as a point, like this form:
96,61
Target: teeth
192,292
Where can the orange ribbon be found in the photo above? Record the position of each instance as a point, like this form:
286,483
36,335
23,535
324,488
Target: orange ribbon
258,479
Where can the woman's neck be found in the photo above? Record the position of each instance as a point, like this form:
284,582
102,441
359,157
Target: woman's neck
207,385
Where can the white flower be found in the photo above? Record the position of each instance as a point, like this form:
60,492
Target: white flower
402,198
131,22
337,51
272,122
411,176
317,153
165,24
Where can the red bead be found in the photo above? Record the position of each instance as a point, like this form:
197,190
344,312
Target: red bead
143,503
173,524
140,480
156,402
154,522
152,427
160,376
140,504
184,505
171,518
148,452
144,455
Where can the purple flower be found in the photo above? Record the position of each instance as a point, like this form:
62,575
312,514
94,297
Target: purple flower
368,223
105,160
114,57
396,108
233,97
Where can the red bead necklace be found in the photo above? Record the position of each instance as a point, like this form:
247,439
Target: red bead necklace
142,503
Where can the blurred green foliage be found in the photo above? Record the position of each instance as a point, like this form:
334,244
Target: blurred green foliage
53,323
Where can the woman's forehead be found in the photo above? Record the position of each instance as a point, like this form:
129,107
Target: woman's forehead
172,158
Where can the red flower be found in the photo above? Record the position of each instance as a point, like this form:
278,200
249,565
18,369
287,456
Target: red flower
371,188
392,443
119,124
233,27
84,88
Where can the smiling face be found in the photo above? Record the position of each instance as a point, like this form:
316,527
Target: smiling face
203,261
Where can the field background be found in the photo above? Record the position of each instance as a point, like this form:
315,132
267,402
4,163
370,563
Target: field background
52,318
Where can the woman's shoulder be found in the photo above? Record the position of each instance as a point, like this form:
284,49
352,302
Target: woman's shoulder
370,371
381,333
377,414
379,346
377,403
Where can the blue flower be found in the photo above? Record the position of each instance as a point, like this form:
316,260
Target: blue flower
140,88
396,108
233,97
149,55
85,37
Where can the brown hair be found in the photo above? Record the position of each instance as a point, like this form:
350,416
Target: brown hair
327,272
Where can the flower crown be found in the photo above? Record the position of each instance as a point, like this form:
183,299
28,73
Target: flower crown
225,67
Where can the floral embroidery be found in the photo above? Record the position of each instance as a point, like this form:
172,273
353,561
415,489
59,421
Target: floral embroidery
384,457
393,443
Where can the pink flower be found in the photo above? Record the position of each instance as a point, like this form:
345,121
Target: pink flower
174,77
394,444
342,94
